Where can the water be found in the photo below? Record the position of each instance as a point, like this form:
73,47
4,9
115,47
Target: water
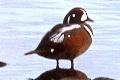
24,22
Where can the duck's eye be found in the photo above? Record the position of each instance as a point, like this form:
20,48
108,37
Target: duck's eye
73,15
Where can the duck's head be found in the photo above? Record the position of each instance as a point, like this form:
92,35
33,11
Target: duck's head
76,16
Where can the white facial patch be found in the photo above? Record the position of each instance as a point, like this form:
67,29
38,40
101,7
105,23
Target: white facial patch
69,36
59,37
52,50
84,16
68,20
89,31
73,15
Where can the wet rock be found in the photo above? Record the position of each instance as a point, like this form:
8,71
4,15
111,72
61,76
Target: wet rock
62,74
2,64
103,78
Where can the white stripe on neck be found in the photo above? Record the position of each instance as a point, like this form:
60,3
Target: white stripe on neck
89,31
71,27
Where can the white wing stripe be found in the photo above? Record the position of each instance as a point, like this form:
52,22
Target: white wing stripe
59,37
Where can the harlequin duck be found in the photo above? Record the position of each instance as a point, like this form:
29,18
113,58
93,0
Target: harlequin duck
67,40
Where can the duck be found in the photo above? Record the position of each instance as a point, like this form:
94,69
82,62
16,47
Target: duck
67,40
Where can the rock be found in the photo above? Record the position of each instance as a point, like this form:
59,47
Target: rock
103,78
2,64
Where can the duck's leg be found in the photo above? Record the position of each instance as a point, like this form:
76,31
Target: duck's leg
72,64
57,63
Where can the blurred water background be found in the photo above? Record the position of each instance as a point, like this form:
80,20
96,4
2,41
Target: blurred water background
24,22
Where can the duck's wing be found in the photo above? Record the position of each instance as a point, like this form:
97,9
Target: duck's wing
64,32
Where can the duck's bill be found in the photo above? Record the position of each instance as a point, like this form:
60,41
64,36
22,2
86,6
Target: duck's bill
88,19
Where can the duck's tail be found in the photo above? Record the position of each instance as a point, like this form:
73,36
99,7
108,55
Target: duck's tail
31,52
